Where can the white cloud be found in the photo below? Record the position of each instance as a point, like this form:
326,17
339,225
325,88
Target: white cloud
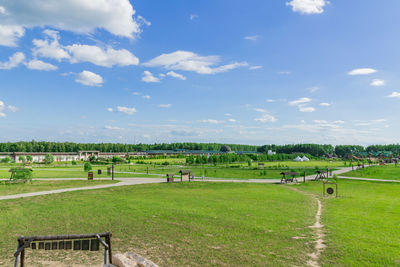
100,57
136,93
36,64
193,16
212,121
255,67
77,16
4,108
189,61
144,21
394,95
362,71
9,34
228,114
252,37
377,82
231,120
370,122
284,72
146,97
126,110
338,122
149,78
165,105
313,89
13,61
260,110
270,100
114,128
324,104
300,101
176,75
306,109
308,6
50,48
110,109
266,118
89,78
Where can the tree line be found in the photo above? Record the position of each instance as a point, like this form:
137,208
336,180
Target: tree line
316,150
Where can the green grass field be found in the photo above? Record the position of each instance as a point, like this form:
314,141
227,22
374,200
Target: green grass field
362,225
180,224
388,172
235,171
36,186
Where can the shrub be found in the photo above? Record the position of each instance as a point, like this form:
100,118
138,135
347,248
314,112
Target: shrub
22,158
21,174
48,159
87,166
6,160
73,162
29,158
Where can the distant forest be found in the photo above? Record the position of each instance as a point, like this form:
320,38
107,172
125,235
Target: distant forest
312,149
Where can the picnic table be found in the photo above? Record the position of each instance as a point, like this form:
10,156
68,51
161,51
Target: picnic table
288,177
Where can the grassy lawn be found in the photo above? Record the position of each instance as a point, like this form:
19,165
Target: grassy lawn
180,224
37,186
389,172
363,226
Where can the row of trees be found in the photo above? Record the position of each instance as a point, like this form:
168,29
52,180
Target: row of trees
312,149
231,158
34,146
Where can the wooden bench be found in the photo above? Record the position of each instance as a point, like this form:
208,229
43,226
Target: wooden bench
291,178
170,177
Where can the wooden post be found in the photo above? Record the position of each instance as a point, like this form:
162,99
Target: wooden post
22,255
147,169
304,177
108,241
112,171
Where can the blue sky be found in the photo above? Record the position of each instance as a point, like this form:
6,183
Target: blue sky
253,72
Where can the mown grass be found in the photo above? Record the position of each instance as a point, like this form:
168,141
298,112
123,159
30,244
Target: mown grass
36,186
180,224
388,172
362,225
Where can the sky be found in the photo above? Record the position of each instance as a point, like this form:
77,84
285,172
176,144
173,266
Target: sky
228,71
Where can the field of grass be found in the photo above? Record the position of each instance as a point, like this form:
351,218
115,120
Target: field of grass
388,172
236,171
363,227
36,186
180,224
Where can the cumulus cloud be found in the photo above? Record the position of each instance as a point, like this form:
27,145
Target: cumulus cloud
299,101
231,120
40,65
308,6
301,104
146,97
82,17
193,16
362,71
105,58
394,95
377,82
260,110
114,128
266,118
4,108
89,78
110,109
324,104
189,61
126,110
9,34
13,61
211,121
176,75
252,37
148,77
165,105
50,47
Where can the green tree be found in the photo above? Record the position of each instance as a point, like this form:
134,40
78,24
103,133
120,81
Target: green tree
22,158
87,166
29,158
6,160
24,174
48,159
116,159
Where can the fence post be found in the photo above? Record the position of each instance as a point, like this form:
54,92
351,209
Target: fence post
304,177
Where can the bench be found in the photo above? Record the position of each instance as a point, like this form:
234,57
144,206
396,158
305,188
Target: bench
289,179
170,177
86,242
